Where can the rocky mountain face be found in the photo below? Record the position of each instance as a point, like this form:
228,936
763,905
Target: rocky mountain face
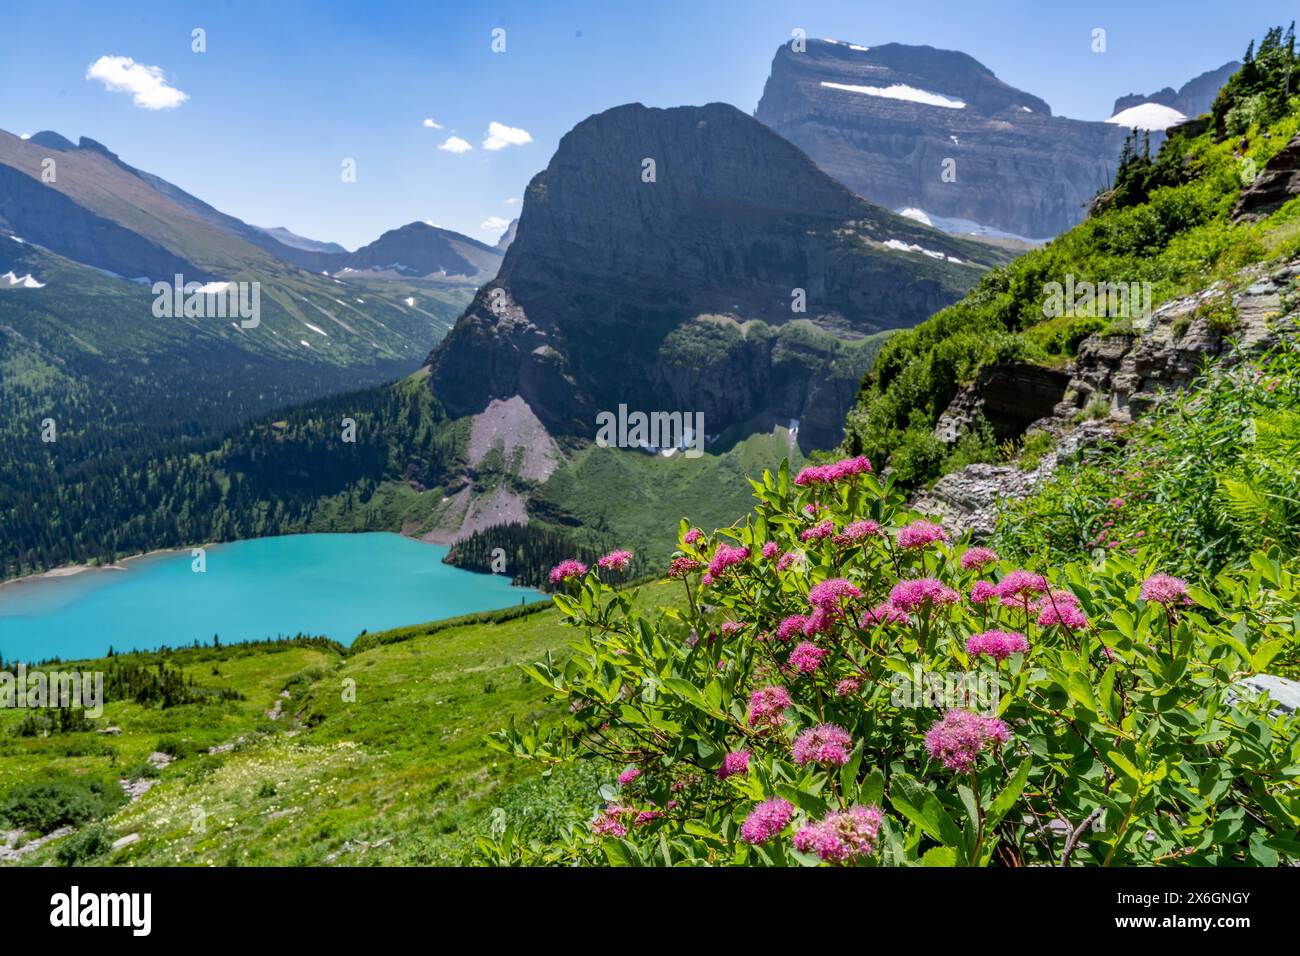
935,130
666,259
508,236
1191,99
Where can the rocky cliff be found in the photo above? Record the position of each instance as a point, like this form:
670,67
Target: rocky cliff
888,121
690,259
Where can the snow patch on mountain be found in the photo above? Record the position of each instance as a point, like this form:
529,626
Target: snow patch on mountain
21,282
900,91
955,226
900,246
1148,116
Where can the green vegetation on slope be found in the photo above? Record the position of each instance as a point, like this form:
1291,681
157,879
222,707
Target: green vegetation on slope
379,755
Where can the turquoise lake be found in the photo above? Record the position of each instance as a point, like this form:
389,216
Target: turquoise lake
335,585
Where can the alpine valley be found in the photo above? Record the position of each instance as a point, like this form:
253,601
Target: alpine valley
894,456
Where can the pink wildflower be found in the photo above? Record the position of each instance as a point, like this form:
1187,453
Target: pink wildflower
828,474
856,531
734,763
695,534
681,567
916,594
998,645
958,739
609,822
767,707
791,626
787,559
823,530
726,556
567,570
842,836
848,687
920,534
830,593
807,657
982,591
731,628
615,561
628,775
1165,589
766,820
770,549
1018,585
825,744
1059,607
978,558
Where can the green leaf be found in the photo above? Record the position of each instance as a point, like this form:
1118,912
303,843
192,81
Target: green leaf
922,807
1009,795
939,856
809,803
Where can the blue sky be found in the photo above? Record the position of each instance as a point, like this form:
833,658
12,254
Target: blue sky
288,89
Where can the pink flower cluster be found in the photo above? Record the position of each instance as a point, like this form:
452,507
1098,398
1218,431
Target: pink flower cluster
615,561
998,645
806,658
734,763
982,591
791,627
978,558
766,820
919,535
1165,589
921,592
825,744
856,531
818,531
1018,585
628,775
681,567
842,836
567,570
829,474
1059,607
958,739
695,534
767,707
787,559
831,592
726,556
770,550
731,628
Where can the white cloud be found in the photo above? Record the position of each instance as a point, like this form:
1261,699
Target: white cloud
146,84
500,136
495,224
25,136
455,144
430,124
513,200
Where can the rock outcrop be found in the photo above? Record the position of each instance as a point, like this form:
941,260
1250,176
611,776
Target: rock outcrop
1113,379
646,251
1276,183
888,121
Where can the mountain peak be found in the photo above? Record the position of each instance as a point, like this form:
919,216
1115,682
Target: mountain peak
51,140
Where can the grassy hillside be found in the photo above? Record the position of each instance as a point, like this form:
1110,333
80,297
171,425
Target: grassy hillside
1166,221
399,773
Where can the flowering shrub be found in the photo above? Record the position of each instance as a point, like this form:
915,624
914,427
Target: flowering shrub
811,711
